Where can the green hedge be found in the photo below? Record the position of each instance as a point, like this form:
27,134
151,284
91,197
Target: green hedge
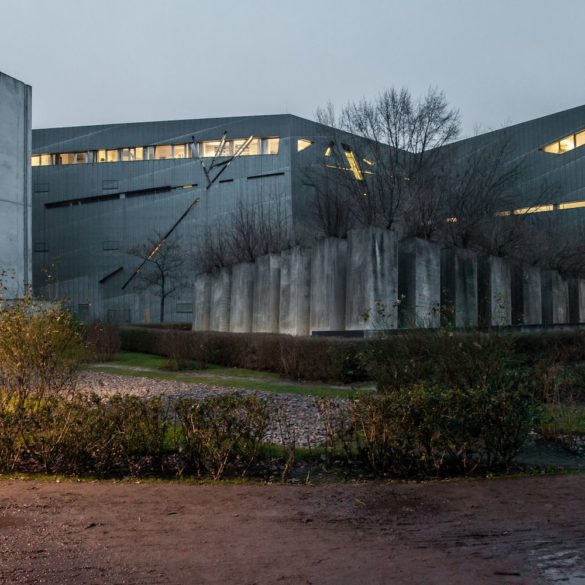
409,357
300,358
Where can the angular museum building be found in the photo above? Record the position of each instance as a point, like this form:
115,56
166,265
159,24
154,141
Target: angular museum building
15,187
99,191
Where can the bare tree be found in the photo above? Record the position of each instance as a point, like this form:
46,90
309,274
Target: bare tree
162,273
250,231
395,154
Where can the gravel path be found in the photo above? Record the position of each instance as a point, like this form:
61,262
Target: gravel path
296,418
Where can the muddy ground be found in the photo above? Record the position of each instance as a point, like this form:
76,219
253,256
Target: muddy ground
515,530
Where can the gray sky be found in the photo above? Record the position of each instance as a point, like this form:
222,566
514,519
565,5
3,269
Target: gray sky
99,61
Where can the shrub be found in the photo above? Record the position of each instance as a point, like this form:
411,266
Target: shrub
102,340
438,429
83,433
222,431
40,348
438,357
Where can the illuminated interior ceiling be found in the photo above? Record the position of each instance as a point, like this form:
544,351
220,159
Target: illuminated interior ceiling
303,143
566,144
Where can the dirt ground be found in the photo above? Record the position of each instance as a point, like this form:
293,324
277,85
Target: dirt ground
522,530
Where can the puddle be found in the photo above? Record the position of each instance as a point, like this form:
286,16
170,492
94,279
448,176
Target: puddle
561,564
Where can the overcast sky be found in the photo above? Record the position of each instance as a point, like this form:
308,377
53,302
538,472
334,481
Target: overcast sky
100,61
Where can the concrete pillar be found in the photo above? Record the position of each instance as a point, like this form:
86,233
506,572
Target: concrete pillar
555,298
372,279
419,283
328,282
459,287
266,294
201,302
494,281
526,296
219,313
576,300
295,291
242,297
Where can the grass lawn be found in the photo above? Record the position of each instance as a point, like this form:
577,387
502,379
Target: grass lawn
564,420
142,365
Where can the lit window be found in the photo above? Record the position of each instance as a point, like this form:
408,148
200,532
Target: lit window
571,205
126,154
553,148
36,160
567,144
179,150
66,158
101,156
369,162
353,165
163,152
138,153
80,158
535,209
113,155
303,143
270,145
210,148
47,160
329,151
252,148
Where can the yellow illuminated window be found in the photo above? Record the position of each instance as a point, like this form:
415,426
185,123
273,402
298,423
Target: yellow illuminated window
270,145
36,160
210,148
101,156
163,152
303,143
112,155
369,162
353,165
252,148
553,148
571,205
178,151
580,139
66,158
535,209
138,153
567,143
328,151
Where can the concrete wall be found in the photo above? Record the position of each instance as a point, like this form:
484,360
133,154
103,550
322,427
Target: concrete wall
242,297
219,314
419,283
15,186
266,294
494,292
201,302
526,295
372,279
328,285
555,298
295,291
577,300
459,287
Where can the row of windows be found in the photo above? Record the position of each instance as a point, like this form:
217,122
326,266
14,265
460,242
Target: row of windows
208,148
544,208
567,143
